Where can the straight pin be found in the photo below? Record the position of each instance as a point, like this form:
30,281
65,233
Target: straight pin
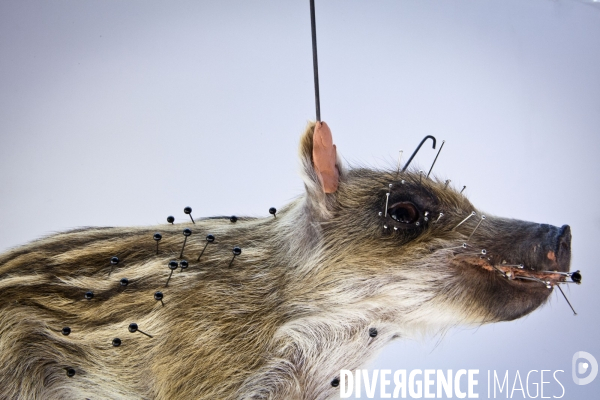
172,266
158,296
568,302
209,239
399,158
387,198
464,220
447,182
113,261
186,232
157,237
463,189
188,211
477,226
436,157
133,327
438,218
236,252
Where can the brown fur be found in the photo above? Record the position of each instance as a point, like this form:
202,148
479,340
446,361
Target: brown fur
291,311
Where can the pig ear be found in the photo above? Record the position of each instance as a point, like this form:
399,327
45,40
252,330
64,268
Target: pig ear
321,168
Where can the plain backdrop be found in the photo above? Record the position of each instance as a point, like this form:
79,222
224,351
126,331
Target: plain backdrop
118,113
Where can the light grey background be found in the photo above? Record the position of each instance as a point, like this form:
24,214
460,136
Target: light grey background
117,113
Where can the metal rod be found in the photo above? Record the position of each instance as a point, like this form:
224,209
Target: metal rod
313,27
568,302
436,156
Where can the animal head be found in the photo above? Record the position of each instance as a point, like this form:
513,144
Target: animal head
422,248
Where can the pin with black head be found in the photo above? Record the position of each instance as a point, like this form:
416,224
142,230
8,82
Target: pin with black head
273,211
172,266
113,261
209,239
116,342
183,264
186,232
576,277
170,219
133,327
124,282
236,252
233,219
335,382
158,296
66,331
89,295
463,189
372,332
188,211
157,236
70,371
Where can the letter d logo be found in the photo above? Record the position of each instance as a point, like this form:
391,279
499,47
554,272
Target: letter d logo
582,367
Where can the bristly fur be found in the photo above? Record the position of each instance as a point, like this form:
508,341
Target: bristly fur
291,311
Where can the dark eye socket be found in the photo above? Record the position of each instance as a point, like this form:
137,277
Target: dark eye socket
404,212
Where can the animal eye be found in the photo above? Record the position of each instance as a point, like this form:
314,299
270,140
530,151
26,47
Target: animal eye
404,212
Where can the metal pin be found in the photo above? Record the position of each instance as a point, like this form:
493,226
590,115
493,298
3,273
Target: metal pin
399,158
387,198
568,302
463,246
463,189
421,173
477,226
124,281
417,150
438,218
172,266
426,216
273,212
464,220
575,276
209,239
233,218
66,331
170,219
158,296
70,372
157,236
236,252
133,327
89,295
116,342
447,182
188,210
183,264
113,261
436,157
186,232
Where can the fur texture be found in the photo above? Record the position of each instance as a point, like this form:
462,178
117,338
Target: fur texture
288,313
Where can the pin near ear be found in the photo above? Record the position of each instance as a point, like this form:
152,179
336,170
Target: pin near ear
273,211
209,239
188,211
236,252
157,236
170,219
113,261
